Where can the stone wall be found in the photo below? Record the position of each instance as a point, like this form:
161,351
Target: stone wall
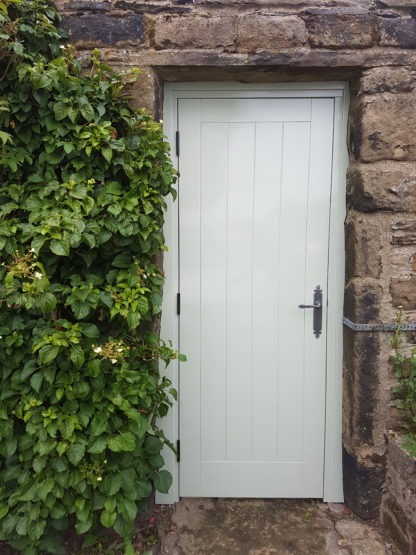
398,508
371,44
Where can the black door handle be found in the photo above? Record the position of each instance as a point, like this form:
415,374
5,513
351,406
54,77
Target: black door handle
317,311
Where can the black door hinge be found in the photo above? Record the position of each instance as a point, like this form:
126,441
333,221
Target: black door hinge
178,303
178,450
177,143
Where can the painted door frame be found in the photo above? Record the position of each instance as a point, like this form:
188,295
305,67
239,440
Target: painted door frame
339,91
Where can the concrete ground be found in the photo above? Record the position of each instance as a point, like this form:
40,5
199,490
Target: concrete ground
264,527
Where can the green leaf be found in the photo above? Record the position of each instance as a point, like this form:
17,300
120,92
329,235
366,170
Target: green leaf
153,445
98,446
110,504
87,111
53,544
128,508
8,447
36,381
48,353
60,247
77,356
115,484
163,481
91,331
107,153
67,428
28,369
122,261
94,367
68,147
107,519
75,453
82,527
123,442
133,320
99,423
47,302
61,110
80,308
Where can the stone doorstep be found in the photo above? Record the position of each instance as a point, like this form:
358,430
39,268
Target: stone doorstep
264,526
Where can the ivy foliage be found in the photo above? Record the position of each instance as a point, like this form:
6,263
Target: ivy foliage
83,177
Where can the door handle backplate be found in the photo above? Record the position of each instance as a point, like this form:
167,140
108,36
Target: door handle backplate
317,311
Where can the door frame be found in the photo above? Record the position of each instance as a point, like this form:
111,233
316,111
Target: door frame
339,91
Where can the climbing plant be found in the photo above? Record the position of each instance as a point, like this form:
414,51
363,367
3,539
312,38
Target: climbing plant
404,366
83,177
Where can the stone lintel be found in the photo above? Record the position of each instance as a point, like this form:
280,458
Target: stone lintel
291,58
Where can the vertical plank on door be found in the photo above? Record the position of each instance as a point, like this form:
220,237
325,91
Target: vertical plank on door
214,145
265,288
239,289
316,273
292,238
189,260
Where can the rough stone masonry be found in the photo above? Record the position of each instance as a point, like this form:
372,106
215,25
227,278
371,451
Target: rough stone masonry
371,44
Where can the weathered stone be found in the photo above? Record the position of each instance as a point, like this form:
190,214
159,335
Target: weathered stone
362,485
368,546
143,92
398,509
99,29
261,32
364,246
398,32
396,3
394,531
352,530
363,300
403,293
382,186
388,127
195,32
361,383
388,79
331,30
337,508
153,7
344,543
88,6
403,233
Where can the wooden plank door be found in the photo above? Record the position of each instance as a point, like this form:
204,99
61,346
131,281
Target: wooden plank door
254,201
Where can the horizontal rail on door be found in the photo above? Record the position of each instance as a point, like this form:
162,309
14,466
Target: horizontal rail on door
377,327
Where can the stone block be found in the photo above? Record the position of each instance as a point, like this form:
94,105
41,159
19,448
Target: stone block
363,481
194,32
398,509
368,546
102,29
388,79
396,3
363,245
88,6
363,297
387,127
264,32
382,186
398,31
403,293
403,233
343,30
361,387
393,531
143,92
